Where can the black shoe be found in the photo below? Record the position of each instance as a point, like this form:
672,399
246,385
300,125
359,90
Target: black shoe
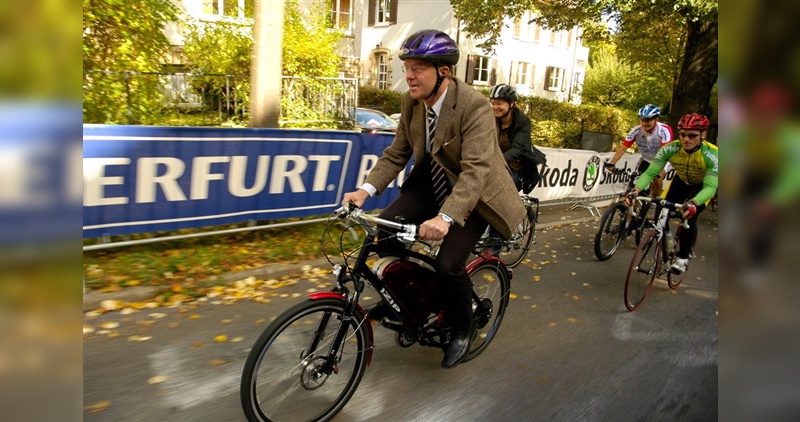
457,348
379,312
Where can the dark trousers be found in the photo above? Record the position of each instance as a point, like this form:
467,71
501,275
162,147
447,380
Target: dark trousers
679,192
416,204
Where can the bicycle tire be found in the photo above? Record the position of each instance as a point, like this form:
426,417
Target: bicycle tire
609,233
492,287
279,381
642,271
516,248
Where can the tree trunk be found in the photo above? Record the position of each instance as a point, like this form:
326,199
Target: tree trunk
698,72
267,68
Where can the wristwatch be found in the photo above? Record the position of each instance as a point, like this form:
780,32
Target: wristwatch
446,218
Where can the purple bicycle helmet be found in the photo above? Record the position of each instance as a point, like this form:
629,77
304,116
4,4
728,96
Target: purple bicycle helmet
430,45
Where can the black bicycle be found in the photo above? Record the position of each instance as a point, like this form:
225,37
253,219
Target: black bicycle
308,362
655,255
514,249
620,221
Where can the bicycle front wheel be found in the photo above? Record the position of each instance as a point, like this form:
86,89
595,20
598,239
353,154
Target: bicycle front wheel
642,271
609,234
491,288
288,376
519,244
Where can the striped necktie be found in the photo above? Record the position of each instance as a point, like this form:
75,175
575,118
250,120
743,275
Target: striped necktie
439,179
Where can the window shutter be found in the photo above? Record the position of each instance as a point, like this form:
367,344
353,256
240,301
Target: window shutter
547,77
512,74
371,13
493,72
563,79
393,11
470,76
531,74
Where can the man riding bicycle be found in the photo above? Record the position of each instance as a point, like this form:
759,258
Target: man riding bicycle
460,181
696,167
650,135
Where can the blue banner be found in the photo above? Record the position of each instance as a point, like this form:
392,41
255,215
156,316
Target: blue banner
144,179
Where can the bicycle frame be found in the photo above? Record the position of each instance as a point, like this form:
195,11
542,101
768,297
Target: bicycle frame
360,271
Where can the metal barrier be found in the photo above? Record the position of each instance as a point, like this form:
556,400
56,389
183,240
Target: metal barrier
106,244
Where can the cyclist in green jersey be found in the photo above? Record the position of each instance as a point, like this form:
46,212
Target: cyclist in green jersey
696,167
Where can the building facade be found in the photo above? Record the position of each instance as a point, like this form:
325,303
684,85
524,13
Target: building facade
537,61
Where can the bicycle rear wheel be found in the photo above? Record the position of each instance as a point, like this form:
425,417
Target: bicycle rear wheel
491,288
284,377
516,249
642,272
609,234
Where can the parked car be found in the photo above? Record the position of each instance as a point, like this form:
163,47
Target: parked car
373,121
395,117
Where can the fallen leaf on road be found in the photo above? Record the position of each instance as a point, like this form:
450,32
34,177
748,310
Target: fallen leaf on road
227,321
552,324
139,338
537,278
110,304
98,407
260,321
217,362
237,339
572,320
512,296
158,379
109,325
157,315
576,297
194,316
221,338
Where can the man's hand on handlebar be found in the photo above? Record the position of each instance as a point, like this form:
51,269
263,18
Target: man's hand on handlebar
357,197
609,167
630,197
689,209
434,229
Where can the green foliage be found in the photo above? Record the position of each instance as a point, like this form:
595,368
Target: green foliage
309,47
385,100
558,124
609,81
123,36
653,37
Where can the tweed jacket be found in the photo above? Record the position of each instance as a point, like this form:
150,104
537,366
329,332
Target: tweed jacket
465,145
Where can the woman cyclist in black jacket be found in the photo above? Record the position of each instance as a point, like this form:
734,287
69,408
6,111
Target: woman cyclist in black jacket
514,136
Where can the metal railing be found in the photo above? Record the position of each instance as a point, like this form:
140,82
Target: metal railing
193,99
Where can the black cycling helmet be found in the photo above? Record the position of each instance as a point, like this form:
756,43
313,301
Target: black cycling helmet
430,45
503,92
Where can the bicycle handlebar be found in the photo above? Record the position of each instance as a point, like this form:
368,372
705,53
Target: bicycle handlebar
408,233
672,207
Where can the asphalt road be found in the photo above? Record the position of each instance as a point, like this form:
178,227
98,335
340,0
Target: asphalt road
568,350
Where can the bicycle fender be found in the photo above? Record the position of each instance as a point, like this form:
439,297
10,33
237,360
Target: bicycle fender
359,308
477,262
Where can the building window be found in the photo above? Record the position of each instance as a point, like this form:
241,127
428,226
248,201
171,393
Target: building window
239,9
521,74
480,70
382,70
340,15
382,12
524,29
554,78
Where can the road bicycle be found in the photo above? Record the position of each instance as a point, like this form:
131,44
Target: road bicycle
655,255
620,221
309,361
513,250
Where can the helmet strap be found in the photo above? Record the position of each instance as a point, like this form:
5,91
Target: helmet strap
439,79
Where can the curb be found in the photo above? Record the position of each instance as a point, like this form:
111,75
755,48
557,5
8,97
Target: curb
92,300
